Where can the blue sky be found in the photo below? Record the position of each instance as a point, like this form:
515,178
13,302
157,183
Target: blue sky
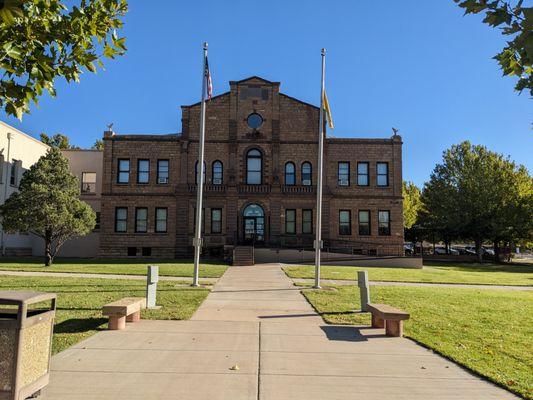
419,66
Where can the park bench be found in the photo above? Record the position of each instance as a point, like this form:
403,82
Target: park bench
390,318
126,309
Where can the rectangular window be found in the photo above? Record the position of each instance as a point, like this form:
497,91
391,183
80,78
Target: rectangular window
146,251
97,223
362,174
364,222
143,171
290,221
161,220
345,222
162,172
141,220
88,182
132,251
123,170
121,219
344,173
382,169
216,220
1,168
384,223
13,173
307,221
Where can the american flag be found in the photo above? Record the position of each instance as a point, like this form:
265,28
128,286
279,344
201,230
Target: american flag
209,82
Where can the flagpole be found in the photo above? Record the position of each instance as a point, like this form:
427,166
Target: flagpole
318,233
197,242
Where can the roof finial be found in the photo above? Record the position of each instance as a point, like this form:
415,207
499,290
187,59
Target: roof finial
395,131
110,127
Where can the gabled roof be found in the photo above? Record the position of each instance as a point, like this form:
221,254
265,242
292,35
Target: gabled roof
255,77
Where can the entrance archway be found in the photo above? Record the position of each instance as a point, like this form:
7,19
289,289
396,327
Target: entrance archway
253,217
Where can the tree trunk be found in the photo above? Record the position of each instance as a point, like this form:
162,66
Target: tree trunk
497,252
479,251
48,249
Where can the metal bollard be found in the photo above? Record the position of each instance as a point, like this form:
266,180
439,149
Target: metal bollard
364,289
152,277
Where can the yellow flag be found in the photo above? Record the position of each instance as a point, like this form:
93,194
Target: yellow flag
325,103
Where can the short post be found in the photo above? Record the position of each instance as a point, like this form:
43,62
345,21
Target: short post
364,289
152,277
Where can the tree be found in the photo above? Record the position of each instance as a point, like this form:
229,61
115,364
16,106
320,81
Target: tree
98,145
47,204
58,141
517,22
411,203
41,41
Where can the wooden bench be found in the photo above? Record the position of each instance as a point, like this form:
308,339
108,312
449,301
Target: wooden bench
126,309
390,318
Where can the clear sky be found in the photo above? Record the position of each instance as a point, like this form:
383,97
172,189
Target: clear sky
419,66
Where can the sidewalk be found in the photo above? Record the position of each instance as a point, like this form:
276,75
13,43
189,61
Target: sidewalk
255,337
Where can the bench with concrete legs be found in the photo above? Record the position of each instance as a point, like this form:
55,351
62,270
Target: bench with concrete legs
390,318
126,309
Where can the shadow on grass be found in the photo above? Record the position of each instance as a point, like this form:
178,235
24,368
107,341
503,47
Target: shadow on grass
79,325
488,267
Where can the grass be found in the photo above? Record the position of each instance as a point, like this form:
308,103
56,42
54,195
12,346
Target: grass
80,301
487,274
119,267
487,331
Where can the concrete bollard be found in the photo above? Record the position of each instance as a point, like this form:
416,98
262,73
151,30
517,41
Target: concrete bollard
364,289
152,277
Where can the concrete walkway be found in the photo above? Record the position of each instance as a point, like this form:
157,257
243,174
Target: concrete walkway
255,337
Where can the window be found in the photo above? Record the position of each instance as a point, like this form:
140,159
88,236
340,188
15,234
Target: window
141,220
123,171
254,121
194,219
290,174
382,169
13,173
146,251
88,182
307,221
290,221
143,171
132,251
364,222
306,174
1,168
384,223
216,220
345,222
97,222
121,219
161,220
362,174
344,173
162,172
254,167
196,172
217,173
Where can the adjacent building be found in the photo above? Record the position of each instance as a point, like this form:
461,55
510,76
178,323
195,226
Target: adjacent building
260,163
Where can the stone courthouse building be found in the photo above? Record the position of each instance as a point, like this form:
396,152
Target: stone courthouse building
261,163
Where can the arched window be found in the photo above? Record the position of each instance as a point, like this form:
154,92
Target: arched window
217,173
254,167
307,179
290,174
196,173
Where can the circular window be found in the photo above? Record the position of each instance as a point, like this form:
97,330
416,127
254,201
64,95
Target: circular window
254,120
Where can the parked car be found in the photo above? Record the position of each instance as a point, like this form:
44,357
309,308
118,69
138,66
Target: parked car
484,250
442,251
470,250
408,248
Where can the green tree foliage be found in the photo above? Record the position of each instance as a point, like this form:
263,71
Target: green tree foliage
516,22
98,145
44,40
58,141
478,195
411,203
47,204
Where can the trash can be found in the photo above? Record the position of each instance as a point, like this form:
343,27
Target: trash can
26,327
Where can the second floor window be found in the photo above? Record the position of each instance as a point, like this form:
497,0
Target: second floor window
162,171
306,174
123,171
364,223
141,220
217,173
382,169
161,220
344,174
307,221
290,174
345,222
216,220
13,174
88,182
362,174
254,167
121,219
290,221
143,171
384,223
196,172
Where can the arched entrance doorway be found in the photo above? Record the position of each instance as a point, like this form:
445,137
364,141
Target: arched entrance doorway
253,218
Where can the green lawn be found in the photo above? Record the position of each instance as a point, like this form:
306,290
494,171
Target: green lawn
488,274
121,267
80,301
487,331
